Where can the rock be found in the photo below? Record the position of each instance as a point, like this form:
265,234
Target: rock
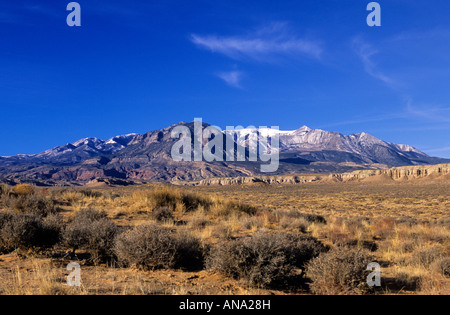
433,172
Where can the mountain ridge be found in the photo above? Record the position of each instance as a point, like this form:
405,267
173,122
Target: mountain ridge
148,157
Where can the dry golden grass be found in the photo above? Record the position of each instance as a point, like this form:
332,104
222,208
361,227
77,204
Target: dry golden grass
406,226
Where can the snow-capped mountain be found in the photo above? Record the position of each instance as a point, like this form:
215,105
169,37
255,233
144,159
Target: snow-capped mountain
306,141
78,151
148,157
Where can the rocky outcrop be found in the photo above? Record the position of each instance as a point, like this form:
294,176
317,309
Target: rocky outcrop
287,179
440,171
109,182
398,173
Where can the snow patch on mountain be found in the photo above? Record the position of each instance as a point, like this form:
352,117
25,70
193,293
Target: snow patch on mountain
306,139
79,150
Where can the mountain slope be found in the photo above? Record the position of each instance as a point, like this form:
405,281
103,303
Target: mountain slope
76,152
359,148
148,157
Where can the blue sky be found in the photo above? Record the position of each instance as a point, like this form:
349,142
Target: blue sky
136,66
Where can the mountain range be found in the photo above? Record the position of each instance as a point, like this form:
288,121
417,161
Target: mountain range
72,153
147,157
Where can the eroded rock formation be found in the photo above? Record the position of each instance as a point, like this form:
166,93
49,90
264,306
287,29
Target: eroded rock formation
440,171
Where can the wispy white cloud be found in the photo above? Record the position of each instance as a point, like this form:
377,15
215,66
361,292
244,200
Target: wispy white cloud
262,45
431,117
427,34
24,13
47,10
232,78
364,120
443,152
438,150
366,52
430,113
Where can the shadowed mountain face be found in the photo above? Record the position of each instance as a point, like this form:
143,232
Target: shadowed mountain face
148,157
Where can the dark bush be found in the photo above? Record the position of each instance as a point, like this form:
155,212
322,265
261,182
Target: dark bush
406,281
314,218
101,240
369,245
32,204
192,202
304,248
146,247
190,252
164,198
28,232
91,193
92,231
21,232
162,214
244,208
340,271
152,247
54,226
264,259
170,198
5,219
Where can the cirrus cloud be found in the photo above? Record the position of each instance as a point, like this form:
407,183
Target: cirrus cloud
232,78
263,45
366,52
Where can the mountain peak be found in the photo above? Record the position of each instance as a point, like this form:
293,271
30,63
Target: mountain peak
365,135
303,129
122,139
85,141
